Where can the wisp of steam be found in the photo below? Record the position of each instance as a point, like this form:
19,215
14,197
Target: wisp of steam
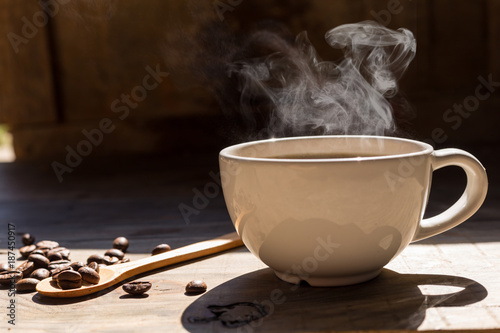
312,96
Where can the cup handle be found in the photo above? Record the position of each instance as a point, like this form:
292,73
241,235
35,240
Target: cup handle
469,202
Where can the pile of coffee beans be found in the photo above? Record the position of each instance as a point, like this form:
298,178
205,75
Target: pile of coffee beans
47,259
42,259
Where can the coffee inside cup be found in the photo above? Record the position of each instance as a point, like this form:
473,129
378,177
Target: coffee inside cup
314,156
317,148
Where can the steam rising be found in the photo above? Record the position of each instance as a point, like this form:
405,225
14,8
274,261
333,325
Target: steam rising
311,96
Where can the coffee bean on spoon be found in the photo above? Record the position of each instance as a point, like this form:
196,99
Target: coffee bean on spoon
120,243
26,250
40,274
94,266
27,239
27,284
110,260
69,275
66,284
160,249
89,275
55,273
114,253
77,265
196,287
137,287
69,279
122,261
99,259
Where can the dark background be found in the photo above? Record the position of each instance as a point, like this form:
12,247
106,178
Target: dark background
65,76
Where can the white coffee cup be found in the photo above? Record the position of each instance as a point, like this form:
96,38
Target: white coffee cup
334,210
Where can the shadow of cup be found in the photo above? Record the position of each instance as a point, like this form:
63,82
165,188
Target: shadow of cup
258,301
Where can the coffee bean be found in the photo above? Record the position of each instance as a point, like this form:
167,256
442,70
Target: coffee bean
60,269
124,260
54,256
11,276
94,266
89,275
58,249
196,287
57,264
26,268
160,249
69,275
4,268
65,254
65,284
39,260
47,245
40,274
61,251
77,265
28,239
26,250
114,253
27,284
110,260
97,258
40,252
60,262
137,288
121,243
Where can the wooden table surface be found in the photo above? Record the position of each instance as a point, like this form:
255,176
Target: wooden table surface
448,282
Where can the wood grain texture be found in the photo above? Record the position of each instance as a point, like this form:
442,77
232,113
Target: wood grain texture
448,282
105,48
133,136
26,92
429,287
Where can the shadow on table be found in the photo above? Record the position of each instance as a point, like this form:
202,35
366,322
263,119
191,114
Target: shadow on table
259,301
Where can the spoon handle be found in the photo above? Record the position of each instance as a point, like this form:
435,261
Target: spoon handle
181,254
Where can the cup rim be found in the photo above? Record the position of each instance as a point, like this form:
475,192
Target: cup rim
228,152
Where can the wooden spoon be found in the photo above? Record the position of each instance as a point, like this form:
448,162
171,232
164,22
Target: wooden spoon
113,274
